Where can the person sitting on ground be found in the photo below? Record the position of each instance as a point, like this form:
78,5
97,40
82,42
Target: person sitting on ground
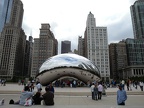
25,95
37,98
48,97
121,96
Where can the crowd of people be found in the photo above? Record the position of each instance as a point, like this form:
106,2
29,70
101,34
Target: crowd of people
29,97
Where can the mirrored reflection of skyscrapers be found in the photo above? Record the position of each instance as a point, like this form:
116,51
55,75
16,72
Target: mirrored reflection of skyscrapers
65,46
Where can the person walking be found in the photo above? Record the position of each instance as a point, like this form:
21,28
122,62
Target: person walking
100,89
121,96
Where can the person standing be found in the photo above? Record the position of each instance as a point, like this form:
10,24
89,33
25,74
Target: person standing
95,92
100,89
39,87
121,96
127,85
48,97
123,84
141,85
51,88
92,90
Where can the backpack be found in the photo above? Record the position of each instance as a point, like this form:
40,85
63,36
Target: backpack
11,101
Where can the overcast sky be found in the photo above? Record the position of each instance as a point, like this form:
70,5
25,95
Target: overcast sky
67,18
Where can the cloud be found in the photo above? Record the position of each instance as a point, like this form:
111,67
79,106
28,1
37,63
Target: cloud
121,29
67,18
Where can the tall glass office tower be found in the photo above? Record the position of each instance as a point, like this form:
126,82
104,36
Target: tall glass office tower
137,16
5,12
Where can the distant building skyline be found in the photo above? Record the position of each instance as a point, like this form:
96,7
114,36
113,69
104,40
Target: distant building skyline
65,46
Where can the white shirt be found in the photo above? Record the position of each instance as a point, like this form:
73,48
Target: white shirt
141,83
100,88
39,86
92,88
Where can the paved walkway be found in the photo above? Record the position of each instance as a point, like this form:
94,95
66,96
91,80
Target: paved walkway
75,98
79,91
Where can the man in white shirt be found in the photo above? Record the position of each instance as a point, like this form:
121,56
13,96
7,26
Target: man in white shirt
100,89
141,85
39,86
92,90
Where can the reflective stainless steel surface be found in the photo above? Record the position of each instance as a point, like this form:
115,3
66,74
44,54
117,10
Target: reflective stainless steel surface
67,64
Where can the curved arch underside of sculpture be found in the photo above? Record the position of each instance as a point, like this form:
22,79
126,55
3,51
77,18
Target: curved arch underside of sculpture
54,74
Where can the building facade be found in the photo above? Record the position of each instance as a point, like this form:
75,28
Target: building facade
96,46
28,57
137,16
12,42
44,47
118,58
65,46
80,46
12,13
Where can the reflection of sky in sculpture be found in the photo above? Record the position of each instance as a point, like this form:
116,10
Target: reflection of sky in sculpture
68,60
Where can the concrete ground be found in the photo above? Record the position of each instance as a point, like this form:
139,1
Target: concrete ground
79,97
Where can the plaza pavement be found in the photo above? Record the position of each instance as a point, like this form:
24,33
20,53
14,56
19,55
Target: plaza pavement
79,97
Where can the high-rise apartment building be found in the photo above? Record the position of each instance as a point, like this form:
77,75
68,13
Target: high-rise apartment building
118,58
137,16
44,47
12,40
96,46
65,46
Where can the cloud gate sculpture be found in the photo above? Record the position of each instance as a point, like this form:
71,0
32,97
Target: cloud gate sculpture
68,64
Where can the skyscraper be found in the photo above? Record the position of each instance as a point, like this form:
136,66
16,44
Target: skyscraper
44,47
65,46
11,13
137,16
12,40
118,58
81,46
96,46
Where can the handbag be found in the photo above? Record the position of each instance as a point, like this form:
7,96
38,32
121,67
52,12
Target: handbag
28,102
